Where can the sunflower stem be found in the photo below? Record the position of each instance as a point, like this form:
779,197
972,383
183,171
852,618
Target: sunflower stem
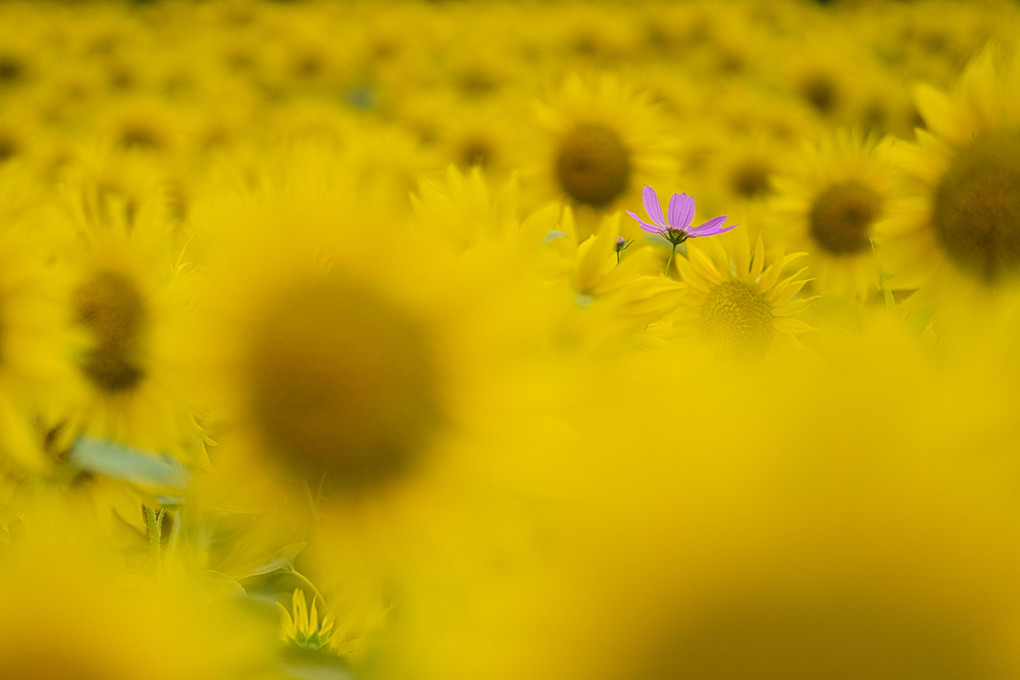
154,522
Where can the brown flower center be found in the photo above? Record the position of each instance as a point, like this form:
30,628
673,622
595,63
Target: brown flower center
593,165
821,92
828,636
751,179
343,385
475,151
976,207
842,215
55,664
111,307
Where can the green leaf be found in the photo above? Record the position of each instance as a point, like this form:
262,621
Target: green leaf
305,664
280,559
131,465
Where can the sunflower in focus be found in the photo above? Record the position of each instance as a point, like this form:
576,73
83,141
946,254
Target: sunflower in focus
962,232
605,142
741,300
829,208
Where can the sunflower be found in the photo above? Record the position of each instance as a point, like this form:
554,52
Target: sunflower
745,166
885,551
364,377
825,70
961,231
485,136
126,305
617,280
604,142
123,627
740,299
31,332
829,206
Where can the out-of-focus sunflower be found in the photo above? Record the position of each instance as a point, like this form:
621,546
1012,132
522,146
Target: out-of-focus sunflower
145,125
126,301
962,232
828,207
31,332
486,136
363,376
617,280
803,547
744,167
826,70
740,300
604,142
124,627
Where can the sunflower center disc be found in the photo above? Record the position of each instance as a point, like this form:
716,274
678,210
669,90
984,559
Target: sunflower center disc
55,664
751,179
593,165
738,315
343,387
821,92
976,209
475,151
824,638
841,217
111,307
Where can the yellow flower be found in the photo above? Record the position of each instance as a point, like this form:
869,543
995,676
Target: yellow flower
961,231
31,333
604,143
618,281
126,305
303,627
829,208
123,628
364,374
740,300
869,540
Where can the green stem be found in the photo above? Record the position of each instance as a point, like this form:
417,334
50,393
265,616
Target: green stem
304,579
154,521
670,260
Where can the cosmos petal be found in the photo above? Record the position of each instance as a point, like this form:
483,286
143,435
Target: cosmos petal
652,207
709,227
714,231
681,211
644,225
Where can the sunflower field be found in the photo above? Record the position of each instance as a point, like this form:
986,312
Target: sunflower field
407,340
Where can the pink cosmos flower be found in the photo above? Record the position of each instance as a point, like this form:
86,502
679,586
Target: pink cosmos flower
681,212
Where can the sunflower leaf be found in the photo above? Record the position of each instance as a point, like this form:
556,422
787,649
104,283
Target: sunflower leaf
305,664
131,465
281,559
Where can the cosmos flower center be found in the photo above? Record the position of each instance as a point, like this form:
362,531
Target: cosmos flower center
976,207
343,385
842,215
110,306
827,637
593,165
737,314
